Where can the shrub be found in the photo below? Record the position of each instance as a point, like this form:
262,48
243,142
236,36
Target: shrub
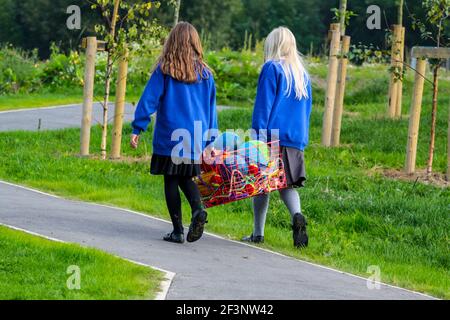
19,70
236,74
63,70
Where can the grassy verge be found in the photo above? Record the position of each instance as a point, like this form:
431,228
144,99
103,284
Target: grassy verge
41,99
35,268
63,97
358,218
57,97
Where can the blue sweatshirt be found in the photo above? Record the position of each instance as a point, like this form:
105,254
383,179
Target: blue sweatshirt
275,110
184,111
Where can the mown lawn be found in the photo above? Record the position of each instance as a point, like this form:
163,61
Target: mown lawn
41,99
357,216
47,98
35,268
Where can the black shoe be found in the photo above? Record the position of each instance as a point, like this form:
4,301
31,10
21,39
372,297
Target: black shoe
197,225
299,231
253,239
173,237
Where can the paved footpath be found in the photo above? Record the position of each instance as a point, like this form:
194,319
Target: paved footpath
212,268
59,117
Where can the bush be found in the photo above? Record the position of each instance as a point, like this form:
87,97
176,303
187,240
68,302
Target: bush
63,70
236,74
19,70
360,54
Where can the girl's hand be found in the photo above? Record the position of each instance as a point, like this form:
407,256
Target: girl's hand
209,155
134,141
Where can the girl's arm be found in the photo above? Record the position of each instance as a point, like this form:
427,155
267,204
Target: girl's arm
149,102
265,98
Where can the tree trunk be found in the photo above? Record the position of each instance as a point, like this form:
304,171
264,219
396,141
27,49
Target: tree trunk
177,13
433,121
109,67
448,147
400,13
342,14
398,108
434,108
396,66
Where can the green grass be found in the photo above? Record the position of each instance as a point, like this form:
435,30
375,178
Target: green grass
357,217
56,97
65,96
41,99
33,268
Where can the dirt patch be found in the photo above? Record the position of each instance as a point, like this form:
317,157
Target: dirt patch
319,82
123,159
436,179
351,114
145,159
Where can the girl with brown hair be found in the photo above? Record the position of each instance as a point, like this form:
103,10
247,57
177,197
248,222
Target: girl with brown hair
182,92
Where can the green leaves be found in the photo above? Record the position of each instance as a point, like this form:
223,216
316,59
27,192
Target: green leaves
348,15
134,27
434,28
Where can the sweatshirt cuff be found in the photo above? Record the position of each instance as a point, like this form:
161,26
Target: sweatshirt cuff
137,131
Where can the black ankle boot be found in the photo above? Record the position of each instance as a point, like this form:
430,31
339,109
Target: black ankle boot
299,233
253,239
197,225
173,237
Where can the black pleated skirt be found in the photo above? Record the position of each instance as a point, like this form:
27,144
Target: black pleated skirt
164,165
294,165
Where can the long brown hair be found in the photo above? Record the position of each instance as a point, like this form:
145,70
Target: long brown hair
182,56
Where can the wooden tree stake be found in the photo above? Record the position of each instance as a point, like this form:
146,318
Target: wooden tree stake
120,107
340,92
396,65
414,120
88,96
398,107
333,65
448,147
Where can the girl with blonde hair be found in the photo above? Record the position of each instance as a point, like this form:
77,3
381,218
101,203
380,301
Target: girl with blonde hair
283,104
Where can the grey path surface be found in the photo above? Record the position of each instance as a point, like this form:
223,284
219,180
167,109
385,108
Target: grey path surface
52,118
212,268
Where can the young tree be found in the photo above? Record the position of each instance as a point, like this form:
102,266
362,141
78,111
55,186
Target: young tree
126,26
400,13
342,15
177,12
438,11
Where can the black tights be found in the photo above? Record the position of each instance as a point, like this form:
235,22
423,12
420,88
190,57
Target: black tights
173,199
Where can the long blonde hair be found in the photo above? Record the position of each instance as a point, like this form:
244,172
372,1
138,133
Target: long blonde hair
281,46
